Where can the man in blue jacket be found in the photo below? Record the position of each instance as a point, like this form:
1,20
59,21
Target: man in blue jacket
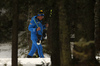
36,29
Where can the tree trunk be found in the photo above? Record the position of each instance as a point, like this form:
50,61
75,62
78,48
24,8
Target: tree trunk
64,30
85,23
15,34
55,47
97,25
88,18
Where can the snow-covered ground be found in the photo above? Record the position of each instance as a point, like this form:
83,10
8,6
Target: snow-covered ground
27,61
5,56
6,52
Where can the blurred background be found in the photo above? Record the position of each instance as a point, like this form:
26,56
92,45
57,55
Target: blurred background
73,36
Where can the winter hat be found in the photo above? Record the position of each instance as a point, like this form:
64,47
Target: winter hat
40,13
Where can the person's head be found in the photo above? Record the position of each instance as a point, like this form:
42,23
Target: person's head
40,15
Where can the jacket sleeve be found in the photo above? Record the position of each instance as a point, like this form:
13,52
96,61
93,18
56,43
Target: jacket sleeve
32,26
44,27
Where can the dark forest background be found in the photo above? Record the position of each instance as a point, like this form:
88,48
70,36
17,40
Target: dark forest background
69,21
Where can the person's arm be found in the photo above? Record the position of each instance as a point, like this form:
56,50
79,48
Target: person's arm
45,26
32,26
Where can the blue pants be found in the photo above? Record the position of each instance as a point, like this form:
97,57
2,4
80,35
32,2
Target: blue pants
36,47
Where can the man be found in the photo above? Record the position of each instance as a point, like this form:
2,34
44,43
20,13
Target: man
36,29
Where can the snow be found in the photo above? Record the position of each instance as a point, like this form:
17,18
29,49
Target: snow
5,50
26,61
3,11
5,57
72,47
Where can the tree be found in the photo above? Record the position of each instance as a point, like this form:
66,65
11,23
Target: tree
85,25
54,38
15,33
97,23
61,54
67,20
64,34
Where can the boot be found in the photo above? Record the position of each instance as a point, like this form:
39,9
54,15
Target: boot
29,56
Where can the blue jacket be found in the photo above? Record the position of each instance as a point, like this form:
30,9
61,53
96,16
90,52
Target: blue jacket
32,27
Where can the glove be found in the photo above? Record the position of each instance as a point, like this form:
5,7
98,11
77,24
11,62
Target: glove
38,29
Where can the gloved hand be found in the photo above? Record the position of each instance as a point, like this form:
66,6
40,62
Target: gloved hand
38,29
